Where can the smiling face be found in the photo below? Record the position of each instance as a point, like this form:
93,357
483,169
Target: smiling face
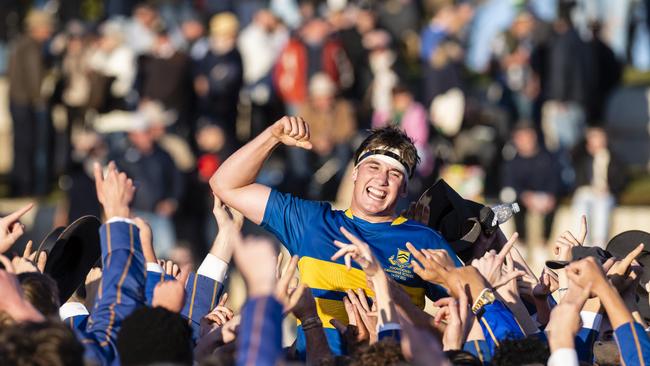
377,188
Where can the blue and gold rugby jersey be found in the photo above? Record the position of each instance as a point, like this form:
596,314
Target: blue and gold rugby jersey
308,229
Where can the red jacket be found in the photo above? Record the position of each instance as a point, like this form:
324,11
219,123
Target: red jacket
290,73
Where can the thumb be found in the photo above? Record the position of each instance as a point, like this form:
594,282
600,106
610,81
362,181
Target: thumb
184,274
509,277
305,144
339,326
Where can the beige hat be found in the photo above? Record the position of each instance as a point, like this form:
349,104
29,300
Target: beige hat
155,114
39,18
321,85
224,24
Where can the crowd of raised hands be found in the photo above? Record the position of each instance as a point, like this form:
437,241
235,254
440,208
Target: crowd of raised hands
498,311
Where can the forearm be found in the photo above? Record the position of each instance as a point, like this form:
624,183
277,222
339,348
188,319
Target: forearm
316,347
385,307
614,306
513,302
543,309
242,167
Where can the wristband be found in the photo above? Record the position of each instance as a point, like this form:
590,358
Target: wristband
310,323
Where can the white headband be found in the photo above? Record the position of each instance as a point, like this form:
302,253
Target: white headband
387,155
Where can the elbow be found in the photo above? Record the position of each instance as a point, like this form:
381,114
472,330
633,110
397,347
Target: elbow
214,184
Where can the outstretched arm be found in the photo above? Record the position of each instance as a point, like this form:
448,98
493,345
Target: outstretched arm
234,182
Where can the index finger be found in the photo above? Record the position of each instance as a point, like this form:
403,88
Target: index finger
627,261
184,274
583,230
353,239
506,248
28,250
16,215
99,177
416,253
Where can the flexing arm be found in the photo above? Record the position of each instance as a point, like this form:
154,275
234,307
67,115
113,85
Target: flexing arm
234,182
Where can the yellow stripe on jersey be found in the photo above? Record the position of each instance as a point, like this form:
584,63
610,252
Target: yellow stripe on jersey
330,276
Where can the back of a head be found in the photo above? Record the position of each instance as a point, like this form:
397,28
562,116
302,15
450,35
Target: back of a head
525,351
41,291
382,353
154,336
462,358
48,343
393,138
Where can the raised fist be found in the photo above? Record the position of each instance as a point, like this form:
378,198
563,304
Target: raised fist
292,131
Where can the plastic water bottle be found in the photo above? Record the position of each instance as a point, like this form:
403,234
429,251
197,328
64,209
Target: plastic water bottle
504,212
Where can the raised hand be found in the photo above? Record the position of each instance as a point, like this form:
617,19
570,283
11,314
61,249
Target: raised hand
619,271
146,238
114,192
28,262
358,251
171,294
292,131
219,316
367,314
433,265
230,222
491,265
455,313
587,272
12,301
11,229
256,258
170,268
563,245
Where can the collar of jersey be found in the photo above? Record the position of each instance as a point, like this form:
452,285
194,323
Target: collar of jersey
397,221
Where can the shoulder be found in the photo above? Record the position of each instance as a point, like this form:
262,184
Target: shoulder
419,230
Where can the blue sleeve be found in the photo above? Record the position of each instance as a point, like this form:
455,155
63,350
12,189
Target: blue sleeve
633,344
79,322
259,341
287,217
153,278
202,294
584,344
430,40
121,290
480,349
498,323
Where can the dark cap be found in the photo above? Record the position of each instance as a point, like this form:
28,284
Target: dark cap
580,252
622,244
456,218
71,253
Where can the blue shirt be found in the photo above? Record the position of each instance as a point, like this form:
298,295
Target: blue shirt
308,229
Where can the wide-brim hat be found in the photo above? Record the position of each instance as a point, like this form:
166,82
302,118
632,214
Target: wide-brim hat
622,244
579,252
71,253
457,219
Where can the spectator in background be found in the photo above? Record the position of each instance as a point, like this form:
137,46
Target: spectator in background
159,182
260,44
140,29
568,86
511,52
76,82
600,178
311,51
441,49
28,106
218,76
332,126
411,117
113,66
165,77
382,59
531,177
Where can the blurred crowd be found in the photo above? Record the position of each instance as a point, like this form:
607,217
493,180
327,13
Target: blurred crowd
169,89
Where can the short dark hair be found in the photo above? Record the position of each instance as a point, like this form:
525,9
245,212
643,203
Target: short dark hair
391,137
384,352
462,358
154,335
524,351
48,343
41,291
